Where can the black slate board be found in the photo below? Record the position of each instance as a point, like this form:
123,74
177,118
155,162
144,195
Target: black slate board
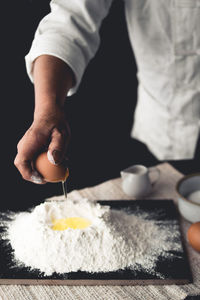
174,270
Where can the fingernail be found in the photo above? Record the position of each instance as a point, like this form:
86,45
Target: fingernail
55,157
51,158
35,177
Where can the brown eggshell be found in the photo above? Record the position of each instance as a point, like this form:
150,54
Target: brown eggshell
50,172
193,235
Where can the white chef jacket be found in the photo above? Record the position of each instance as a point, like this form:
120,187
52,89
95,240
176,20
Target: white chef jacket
165,37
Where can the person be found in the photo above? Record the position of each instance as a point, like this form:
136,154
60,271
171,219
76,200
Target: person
165,38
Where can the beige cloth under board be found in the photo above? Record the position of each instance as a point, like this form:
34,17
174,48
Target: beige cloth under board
111,190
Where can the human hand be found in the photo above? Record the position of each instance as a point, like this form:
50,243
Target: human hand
48,131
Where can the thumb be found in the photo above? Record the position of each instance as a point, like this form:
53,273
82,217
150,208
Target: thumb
57,147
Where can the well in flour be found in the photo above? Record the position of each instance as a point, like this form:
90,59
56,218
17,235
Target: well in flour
112,239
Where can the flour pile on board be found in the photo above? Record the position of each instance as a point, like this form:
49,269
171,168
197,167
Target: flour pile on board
114,240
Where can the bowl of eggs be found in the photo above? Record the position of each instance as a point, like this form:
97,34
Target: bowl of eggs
188,189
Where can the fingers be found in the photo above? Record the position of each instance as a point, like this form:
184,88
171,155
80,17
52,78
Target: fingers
28,147
25,168
57,147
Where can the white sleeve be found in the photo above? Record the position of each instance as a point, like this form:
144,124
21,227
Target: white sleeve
70,32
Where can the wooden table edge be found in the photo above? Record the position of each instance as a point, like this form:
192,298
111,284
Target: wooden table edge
93,282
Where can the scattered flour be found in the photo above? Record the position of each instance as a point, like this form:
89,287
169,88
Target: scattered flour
114,240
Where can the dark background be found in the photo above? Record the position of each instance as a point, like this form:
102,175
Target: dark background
100,113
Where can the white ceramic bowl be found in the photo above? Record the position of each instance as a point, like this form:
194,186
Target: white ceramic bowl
190,210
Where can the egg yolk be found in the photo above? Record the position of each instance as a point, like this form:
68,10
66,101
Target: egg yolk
73,223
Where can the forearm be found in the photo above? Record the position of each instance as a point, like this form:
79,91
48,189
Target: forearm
52,80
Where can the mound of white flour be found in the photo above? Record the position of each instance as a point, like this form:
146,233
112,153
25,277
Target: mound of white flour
114,240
